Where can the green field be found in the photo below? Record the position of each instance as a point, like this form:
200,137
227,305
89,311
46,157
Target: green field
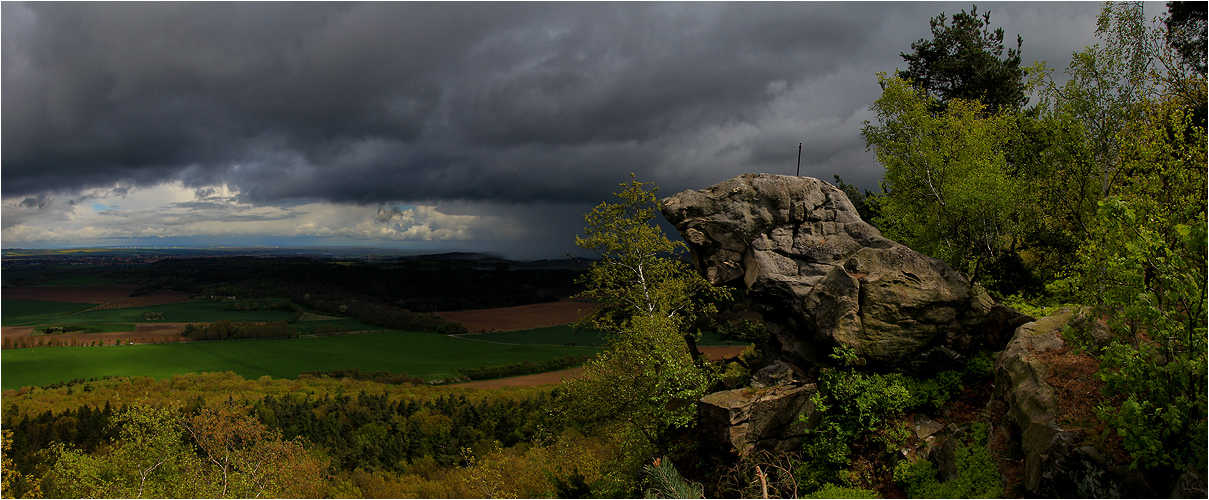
32,312
420,354
180,312
564,334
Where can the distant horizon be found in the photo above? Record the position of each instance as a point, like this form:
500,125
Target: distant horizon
353,250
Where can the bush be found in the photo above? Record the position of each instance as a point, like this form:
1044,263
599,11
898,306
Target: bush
745,330
863,412
977,475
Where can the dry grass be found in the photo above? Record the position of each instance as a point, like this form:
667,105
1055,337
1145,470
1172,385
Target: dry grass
1079,390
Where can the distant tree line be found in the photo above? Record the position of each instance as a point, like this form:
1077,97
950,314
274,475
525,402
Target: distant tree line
53,341
417,285
226,330
380,376
379,314
521,368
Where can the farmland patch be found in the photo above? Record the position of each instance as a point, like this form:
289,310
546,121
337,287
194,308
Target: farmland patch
416,353
22,312
519,317
80,294
154,298
181,312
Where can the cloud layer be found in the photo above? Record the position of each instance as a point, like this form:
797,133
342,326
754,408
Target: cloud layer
484,108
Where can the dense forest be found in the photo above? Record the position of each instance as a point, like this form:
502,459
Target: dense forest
1090,193
424,284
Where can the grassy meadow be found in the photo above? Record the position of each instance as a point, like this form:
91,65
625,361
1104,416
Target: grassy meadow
180,312
421,354
16,312
37,312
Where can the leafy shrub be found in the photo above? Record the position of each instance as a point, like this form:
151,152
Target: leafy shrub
752,332
934,392
977,475
981,366
864,412
856,408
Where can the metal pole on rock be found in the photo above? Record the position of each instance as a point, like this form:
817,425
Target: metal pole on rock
799,159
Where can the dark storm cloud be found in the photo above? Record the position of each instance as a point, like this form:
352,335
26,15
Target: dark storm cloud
507,102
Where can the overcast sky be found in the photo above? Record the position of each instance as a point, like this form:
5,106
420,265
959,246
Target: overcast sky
434,126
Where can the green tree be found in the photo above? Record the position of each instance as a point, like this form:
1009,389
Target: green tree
1187,32
150,460
948,194
246,459
865,202
13,483
965,60
646,378
1106,86
1183,57
1144,267
154,456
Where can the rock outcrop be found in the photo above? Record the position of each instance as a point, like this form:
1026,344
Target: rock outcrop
765,418
1057,461
822,277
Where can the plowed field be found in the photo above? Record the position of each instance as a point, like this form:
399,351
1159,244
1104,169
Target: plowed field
81,294
152,299
519,318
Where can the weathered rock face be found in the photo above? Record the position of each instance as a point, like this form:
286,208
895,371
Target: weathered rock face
751,419
1056,463
823,277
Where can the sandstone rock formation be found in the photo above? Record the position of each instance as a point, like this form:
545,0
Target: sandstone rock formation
823,277
765,418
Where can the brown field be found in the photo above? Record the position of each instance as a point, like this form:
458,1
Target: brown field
519,318
152,299
714,353
144,333
98,294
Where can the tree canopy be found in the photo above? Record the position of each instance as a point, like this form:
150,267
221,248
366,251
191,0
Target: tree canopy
965,59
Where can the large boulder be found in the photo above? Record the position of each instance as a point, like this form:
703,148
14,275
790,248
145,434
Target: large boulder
823,277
